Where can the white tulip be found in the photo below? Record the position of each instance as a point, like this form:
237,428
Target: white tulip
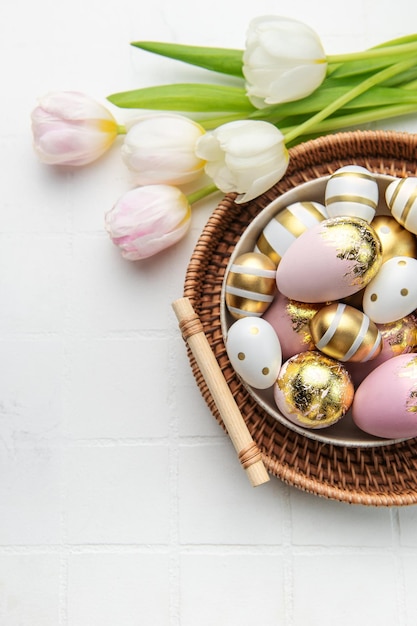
160,149
245,156
283,61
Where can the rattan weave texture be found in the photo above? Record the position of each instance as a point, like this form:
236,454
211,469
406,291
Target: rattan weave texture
377,476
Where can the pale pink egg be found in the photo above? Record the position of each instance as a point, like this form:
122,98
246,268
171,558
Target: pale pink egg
385,403
291,319
330,261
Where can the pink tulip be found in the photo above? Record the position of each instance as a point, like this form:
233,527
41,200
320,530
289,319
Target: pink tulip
146,220
69,128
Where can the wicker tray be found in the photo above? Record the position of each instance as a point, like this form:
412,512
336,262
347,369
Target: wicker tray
379,476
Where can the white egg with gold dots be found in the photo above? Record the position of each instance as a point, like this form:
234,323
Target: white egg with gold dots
392,293
254,351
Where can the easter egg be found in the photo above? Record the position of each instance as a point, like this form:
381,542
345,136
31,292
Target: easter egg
286,226
401,198
344,333
385,403
331,261
250,285
399,337
394,238
254,351
312,390
290,320
392,293
352,191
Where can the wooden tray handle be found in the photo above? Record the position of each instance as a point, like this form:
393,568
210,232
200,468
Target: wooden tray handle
193,333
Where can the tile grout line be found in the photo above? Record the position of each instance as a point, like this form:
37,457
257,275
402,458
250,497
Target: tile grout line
174,530
399,565
288,557
66,393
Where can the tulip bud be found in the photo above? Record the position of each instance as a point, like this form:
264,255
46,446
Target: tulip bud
283,61
69,128
146,220
244,156
161,149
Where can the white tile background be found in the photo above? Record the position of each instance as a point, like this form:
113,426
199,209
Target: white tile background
122,503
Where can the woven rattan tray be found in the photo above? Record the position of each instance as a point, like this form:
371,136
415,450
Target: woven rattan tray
380,476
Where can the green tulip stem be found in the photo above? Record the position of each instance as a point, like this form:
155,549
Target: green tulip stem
348,121
373,53
309,125
201,193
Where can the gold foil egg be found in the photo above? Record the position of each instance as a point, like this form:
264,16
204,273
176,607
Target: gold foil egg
401,198
344,333
352,191
286,226
250,285
312,390
395,239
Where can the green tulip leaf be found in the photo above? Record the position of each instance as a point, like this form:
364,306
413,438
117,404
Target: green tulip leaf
223,60
326,94
191,97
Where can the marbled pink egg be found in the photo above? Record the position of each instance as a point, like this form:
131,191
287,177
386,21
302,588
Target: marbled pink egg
330,261
291,319
385,403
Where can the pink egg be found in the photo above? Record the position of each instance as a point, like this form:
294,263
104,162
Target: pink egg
330,261
385,403
291,319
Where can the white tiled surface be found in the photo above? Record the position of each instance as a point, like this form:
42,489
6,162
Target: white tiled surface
122,503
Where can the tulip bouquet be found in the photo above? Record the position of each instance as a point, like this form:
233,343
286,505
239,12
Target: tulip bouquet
284,90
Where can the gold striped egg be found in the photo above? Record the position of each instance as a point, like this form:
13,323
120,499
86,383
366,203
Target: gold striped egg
401,198
395,239
344,333
352,191
286,226
250,285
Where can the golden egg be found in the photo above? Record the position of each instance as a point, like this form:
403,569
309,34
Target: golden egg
400,336
250,285
286,226
395,239
345,333
313,390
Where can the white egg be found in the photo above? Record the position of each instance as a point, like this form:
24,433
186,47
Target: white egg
401,198
254,351
352,191
392,293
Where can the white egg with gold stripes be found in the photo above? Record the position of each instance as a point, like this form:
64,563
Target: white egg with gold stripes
352,191
250,285
345,333
286,226
401,198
